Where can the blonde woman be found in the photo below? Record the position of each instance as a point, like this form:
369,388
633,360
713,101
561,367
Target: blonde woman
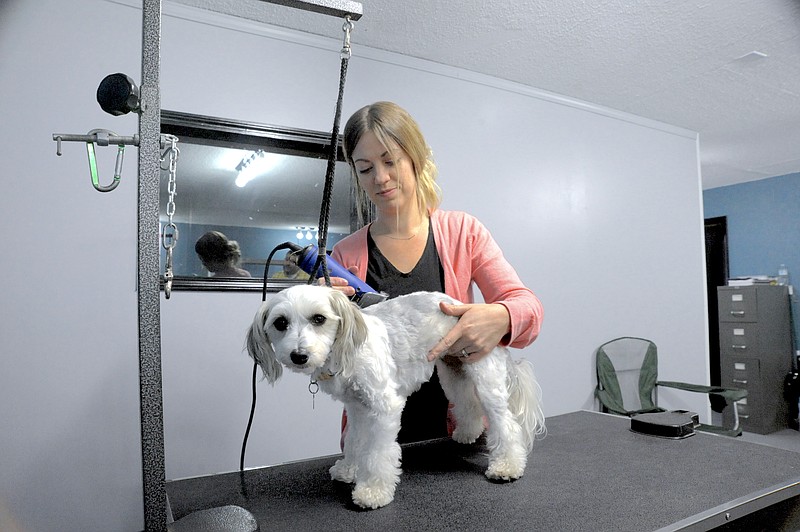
413,245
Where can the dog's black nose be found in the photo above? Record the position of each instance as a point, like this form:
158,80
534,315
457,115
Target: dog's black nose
298,358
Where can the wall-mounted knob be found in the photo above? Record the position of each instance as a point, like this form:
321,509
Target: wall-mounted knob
118,94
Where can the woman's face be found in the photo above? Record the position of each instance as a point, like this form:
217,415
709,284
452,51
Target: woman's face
387,176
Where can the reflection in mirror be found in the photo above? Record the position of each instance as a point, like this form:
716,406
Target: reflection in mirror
241,190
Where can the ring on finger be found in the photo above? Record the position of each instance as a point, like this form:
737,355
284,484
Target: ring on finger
464,353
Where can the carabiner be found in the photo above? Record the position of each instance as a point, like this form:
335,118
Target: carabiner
168,275
347,27
101,138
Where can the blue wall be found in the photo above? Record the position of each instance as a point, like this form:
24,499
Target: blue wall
763,226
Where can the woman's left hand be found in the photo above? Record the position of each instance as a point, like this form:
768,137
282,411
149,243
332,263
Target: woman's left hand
480,329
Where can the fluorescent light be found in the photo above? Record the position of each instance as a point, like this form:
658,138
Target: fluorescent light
257,164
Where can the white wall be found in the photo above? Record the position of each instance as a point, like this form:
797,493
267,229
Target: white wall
599,211
69,442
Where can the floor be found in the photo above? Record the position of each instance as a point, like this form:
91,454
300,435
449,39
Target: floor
788,439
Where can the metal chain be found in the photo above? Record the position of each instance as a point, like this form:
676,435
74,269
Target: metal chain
169,234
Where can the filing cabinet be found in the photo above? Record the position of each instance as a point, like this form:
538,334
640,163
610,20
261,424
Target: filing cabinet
755,351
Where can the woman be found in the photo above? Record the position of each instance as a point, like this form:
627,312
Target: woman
412,245
219,255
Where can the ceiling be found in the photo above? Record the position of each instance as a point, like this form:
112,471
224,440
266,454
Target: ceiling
728,70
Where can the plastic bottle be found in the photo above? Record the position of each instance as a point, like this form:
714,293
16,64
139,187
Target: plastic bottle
783,275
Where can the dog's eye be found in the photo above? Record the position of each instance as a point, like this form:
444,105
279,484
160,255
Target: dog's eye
281,324
318,319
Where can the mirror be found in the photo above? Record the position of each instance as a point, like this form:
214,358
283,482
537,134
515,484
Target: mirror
257,185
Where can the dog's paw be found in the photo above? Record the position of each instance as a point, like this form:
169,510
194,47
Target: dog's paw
373,495
505,470
468,432
343,471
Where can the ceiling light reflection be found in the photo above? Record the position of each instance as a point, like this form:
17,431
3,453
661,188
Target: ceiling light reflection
255,165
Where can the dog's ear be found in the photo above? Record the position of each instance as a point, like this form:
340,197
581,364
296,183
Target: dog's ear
350,336
259,346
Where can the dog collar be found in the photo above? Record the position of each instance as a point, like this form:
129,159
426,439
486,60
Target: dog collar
313,387
325,375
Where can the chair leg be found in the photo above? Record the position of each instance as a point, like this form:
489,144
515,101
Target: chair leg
736,416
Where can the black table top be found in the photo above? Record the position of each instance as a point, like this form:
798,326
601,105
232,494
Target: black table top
590,473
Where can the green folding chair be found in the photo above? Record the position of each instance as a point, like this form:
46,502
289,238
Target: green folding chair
627,381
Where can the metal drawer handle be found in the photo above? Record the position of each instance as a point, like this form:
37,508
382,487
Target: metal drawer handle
738,347
737,313
740,381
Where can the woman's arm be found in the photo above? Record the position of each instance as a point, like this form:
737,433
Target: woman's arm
512,314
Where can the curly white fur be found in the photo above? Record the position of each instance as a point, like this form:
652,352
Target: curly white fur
373,359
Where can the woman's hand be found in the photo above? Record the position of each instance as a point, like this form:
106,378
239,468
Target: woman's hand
339,283
480,329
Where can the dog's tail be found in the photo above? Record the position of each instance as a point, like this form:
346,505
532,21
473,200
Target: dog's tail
525,400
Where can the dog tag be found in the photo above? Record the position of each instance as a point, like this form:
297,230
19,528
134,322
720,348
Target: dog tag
313,388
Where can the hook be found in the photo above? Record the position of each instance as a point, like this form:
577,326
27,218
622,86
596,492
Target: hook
101,136
347,27
168,276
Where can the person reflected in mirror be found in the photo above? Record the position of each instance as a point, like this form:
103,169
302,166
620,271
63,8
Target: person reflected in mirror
290,270
413,245
219,255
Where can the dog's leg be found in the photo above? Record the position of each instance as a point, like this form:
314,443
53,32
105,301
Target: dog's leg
376,457
508,453
344,470
461,392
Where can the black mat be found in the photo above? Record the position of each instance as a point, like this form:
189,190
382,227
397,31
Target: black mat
590,473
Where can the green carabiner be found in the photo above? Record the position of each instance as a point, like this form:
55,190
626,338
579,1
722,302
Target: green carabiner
101,137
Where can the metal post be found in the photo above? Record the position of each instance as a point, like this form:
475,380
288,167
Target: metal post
150,376
150,393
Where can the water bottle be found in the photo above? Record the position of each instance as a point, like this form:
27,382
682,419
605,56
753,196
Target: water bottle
783,275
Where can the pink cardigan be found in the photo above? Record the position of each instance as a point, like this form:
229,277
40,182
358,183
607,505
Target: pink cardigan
469,256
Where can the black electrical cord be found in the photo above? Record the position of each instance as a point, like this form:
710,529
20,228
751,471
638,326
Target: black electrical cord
250,420
267,264
285,245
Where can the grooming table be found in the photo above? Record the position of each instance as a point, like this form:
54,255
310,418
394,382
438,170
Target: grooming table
591,472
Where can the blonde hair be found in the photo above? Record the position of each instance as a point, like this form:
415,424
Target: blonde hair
392,124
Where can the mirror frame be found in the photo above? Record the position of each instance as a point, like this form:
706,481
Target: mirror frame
225,132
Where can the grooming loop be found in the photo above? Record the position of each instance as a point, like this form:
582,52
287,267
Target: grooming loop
327,193
169,233
353,13
100,137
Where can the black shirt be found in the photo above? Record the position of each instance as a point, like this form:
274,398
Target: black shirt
425,414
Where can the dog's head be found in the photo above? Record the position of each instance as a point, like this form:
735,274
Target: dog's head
304,328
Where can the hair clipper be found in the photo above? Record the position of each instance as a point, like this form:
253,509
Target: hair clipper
306,259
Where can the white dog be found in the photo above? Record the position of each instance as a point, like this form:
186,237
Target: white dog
373,359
